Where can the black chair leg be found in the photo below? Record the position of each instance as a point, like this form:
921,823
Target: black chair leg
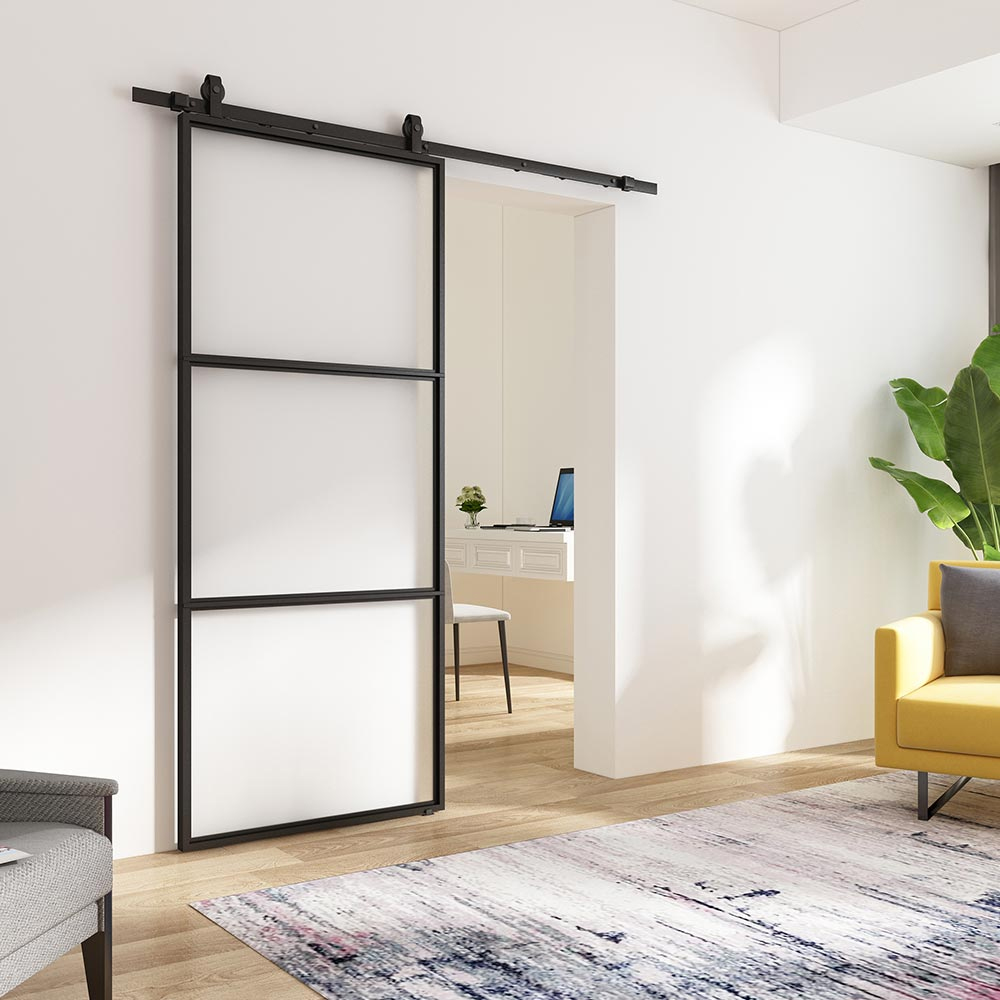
454,632
506,669
925,808
97,958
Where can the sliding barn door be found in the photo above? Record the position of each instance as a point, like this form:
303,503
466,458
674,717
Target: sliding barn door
310,549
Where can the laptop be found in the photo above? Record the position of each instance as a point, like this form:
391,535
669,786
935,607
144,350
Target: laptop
561,517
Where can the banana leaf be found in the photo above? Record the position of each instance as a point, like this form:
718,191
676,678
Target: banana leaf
937,500
924,409
987,357
976,531
972,436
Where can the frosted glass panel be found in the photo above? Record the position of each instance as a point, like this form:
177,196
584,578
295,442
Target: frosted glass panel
309,254
309,483
303,713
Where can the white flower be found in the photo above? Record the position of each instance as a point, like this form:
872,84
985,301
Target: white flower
471,500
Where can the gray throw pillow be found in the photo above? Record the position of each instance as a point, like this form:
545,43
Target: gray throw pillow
970,614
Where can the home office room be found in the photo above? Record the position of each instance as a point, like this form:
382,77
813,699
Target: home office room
511,456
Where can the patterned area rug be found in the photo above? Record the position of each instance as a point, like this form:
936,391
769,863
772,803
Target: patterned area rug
835,892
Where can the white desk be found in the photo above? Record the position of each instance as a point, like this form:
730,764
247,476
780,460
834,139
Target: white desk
538,555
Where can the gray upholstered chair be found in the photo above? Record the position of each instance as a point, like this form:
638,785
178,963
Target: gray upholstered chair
459,614
61,896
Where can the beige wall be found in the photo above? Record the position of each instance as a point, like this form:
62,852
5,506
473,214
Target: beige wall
509,413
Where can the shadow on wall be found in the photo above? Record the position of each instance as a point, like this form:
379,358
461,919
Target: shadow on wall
755,631
754,628
788,567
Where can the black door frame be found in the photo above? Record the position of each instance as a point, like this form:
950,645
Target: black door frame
186,360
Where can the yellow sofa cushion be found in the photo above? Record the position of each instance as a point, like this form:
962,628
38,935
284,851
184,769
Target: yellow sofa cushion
952,714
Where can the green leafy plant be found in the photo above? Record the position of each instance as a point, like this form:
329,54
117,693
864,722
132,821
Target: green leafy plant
960,428
471,500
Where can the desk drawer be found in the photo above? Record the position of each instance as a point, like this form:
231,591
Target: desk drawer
456,554
495,557
545,561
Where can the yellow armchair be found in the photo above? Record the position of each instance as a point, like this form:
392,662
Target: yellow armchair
925,721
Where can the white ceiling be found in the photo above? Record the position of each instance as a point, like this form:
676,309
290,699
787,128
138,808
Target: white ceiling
777,14
951,116
946,59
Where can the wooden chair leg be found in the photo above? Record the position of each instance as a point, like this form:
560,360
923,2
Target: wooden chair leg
454,632
502,625
97,958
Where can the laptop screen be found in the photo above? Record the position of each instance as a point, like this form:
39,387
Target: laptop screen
562,503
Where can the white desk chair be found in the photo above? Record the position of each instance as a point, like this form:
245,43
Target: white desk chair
459,614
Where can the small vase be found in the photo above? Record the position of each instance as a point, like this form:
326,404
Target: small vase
473,522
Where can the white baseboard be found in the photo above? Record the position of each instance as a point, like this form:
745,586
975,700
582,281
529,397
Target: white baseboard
558,662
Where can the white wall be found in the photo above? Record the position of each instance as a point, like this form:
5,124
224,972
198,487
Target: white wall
539,434
762,300
595,608
511,392
474,414
474,392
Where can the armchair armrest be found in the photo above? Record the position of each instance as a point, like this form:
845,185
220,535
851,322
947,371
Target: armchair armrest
34,797
39,783
908,654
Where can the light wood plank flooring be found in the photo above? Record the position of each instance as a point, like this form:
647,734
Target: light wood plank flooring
510,778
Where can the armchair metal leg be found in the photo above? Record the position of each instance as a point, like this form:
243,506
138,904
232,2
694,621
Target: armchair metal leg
97,958
503,655
925,811
454,632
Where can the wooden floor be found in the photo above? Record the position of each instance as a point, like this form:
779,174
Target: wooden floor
510,778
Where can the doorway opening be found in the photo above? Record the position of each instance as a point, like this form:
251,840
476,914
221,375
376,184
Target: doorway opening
529,349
